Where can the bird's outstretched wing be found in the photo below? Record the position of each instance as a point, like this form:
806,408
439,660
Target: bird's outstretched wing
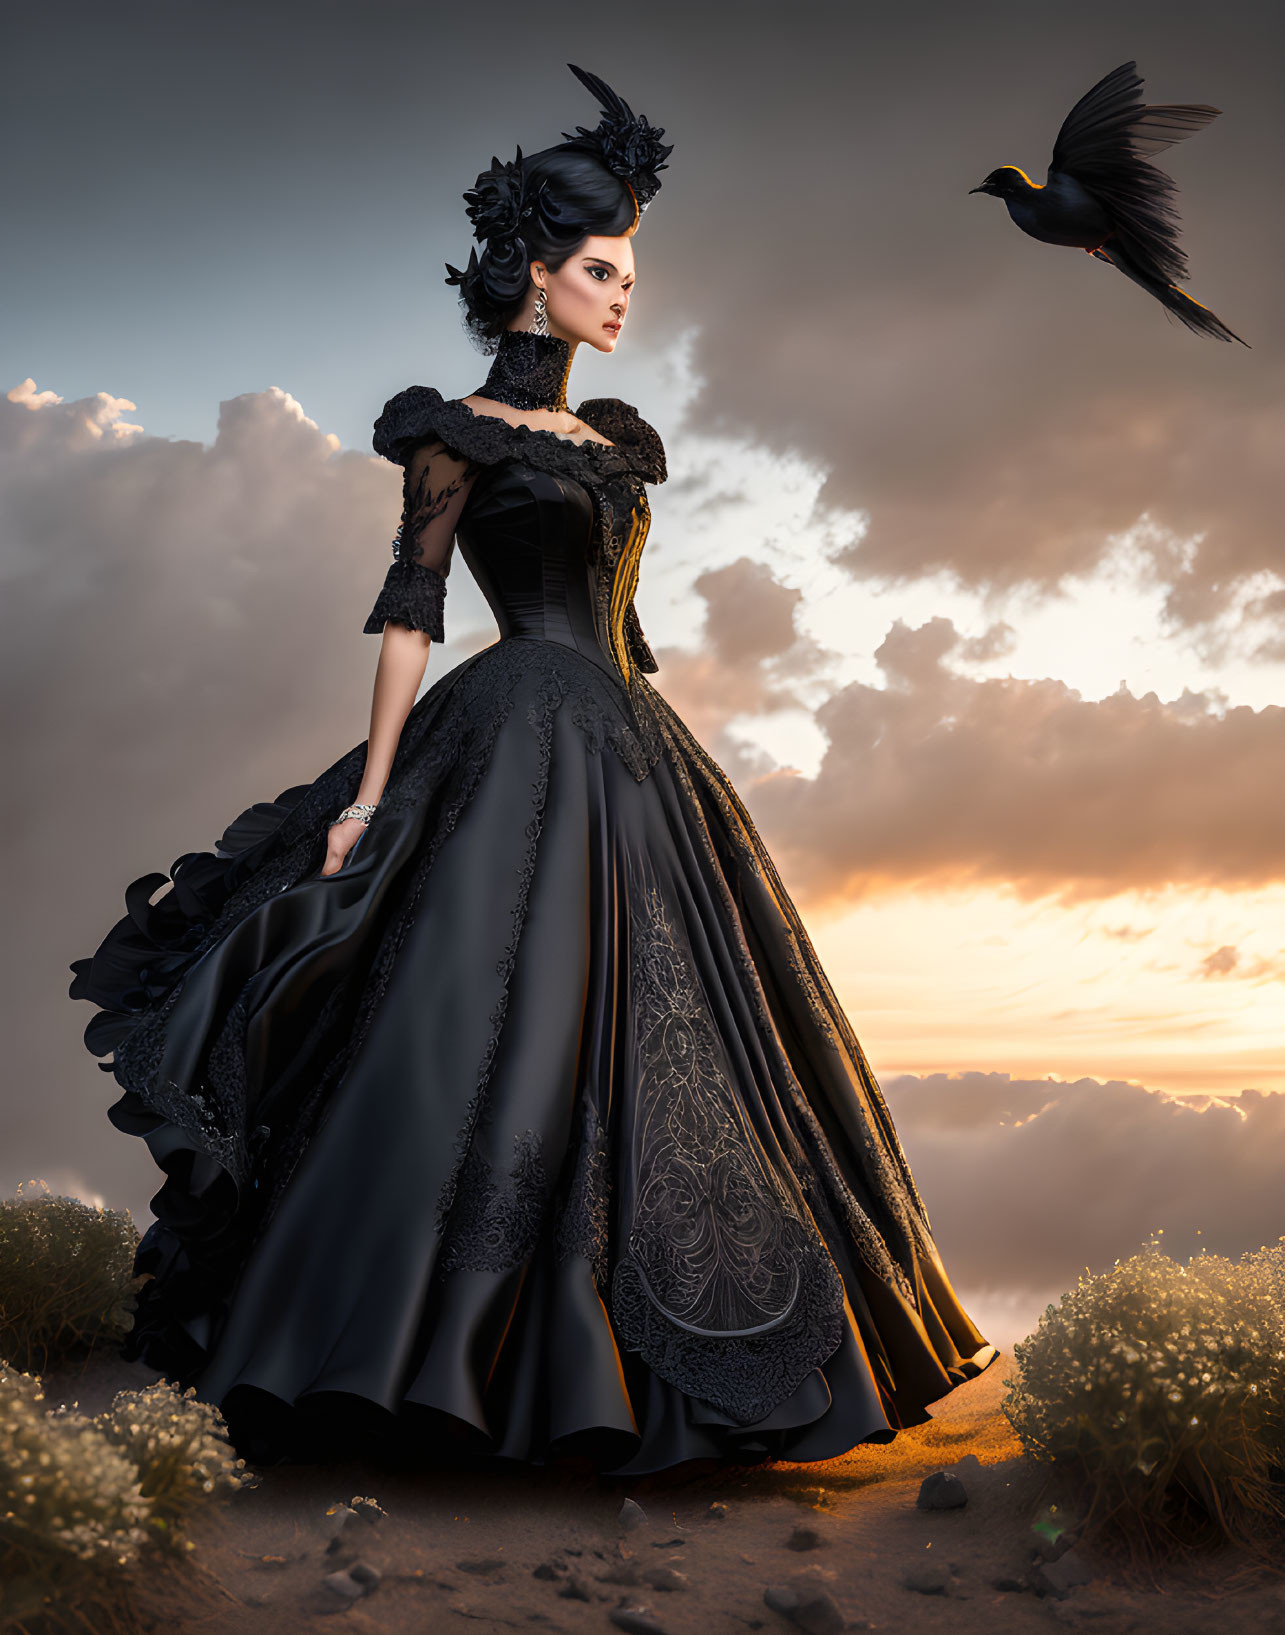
1101,144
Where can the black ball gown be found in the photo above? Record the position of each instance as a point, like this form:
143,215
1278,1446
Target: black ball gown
537,1129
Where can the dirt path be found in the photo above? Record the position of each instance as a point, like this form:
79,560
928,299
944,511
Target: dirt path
537,1549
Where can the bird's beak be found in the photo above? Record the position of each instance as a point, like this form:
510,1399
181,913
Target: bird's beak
981,189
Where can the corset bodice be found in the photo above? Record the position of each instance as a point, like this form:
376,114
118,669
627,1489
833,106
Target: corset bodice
526,536
552,529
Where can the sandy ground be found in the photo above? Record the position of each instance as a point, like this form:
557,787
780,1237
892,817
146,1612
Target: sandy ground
547,1549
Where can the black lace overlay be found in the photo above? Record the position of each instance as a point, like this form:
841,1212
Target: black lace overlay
435,488
583,1216
639,651
529,371
496,1219
412,596
724,1286
421,412
734,849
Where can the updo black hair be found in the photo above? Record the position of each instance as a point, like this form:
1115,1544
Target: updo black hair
541,208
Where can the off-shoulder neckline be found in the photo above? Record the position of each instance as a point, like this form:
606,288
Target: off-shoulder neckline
541,431
412,414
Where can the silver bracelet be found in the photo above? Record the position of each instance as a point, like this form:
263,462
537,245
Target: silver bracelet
362,811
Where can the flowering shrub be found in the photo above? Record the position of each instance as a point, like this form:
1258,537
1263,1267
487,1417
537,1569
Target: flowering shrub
63,1486
179,1449
81,1499
1161,1388
71,1511
66,1278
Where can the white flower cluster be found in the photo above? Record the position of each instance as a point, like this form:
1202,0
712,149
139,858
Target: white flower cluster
180,1448
64,1489
98,1490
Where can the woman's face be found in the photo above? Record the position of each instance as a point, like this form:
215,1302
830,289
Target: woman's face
588,297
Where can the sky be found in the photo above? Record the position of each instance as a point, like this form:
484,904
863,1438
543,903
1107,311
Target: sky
968,569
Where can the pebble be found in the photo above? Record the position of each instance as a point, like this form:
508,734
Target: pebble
815,1611
632,1515
929,1578
1063,1575
344,1585
637,1620
717,1511
665,1578
804,1538
481,1565
358,1580
623,1572
575,1589
941,1491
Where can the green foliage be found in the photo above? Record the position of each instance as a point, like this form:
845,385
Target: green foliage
66,1278
1160,1388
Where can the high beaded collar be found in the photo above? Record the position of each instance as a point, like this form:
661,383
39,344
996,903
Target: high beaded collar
529,372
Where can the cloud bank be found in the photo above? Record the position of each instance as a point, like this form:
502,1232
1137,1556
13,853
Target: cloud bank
936,779
1027,1182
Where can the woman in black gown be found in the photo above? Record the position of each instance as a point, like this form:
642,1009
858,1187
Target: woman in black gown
503,1105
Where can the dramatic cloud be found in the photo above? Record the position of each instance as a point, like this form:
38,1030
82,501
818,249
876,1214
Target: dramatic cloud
180,635
746,661
1200,474
938,779
1027,1182
172,605
1034,493
1000,409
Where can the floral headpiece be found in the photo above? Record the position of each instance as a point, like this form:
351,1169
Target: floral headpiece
500,202
624,141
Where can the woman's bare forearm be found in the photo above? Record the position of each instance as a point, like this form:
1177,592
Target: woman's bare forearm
403,657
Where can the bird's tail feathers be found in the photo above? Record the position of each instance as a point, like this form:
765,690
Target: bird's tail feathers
1136,265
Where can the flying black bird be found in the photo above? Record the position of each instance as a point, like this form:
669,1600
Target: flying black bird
1104,197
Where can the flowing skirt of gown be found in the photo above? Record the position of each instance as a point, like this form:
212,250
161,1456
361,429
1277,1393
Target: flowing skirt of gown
537,1130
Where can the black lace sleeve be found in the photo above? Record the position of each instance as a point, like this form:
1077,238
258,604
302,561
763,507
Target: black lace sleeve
435,485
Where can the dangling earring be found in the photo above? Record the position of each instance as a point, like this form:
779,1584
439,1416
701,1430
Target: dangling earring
540,323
